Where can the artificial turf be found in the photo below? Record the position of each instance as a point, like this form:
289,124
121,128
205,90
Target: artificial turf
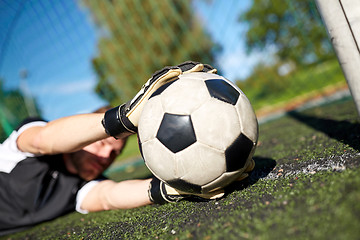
306,185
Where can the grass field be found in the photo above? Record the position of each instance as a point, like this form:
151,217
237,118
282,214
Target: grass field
268,92
306,185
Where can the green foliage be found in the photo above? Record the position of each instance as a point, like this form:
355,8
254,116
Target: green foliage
141,37
303,64
12,110
293,27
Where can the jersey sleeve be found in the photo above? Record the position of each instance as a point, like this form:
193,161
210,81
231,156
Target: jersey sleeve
82,193
10,153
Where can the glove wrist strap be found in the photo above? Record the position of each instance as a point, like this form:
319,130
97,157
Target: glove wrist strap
115,125
155,192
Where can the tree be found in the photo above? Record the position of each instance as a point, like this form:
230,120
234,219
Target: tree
140,37
292,26
12,110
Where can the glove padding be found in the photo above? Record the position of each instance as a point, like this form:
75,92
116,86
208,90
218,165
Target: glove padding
160,193
190,66
123,120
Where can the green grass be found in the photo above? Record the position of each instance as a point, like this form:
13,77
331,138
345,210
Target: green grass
274,90
306,185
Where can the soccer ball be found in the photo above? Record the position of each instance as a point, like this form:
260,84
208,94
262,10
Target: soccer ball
198,133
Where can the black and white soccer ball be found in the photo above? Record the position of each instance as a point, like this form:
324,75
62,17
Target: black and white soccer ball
198,133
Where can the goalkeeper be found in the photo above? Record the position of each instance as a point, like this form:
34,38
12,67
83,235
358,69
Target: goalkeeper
48,169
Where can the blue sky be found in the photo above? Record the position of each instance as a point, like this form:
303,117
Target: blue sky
221,21
54,41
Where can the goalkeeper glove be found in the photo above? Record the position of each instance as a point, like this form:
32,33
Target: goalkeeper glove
122,120
160,193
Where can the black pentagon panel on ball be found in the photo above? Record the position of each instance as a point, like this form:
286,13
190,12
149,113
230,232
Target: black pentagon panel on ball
161,89
237,154
184,186
176,132
222,90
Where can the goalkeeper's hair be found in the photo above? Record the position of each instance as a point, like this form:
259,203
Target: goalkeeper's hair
102,109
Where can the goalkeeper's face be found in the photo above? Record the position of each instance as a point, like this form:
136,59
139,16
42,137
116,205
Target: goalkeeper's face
95,158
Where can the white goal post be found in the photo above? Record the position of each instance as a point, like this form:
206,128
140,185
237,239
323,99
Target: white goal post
342,21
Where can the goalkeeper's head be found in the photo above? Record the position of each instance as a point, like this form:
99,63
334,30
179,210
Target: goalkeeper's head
91,161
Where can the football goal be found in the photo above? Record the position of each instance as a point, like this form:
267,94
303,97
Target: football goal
342,21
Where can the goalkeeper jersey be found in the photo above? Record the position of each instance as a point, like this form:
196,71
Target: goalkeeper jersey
35,189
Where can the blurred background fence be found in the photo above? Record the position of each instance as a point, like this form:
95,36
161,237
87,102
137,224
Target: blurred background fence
59,58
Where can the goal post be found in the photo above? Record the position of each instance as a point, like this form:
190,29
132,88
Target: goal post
342,21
